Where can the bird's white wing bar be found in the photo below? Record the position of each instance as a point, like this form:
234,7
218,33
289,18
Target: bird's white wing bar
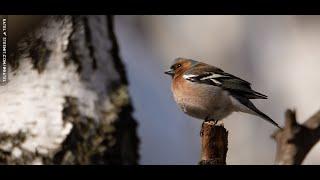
204,78
215,81
188,76
212,76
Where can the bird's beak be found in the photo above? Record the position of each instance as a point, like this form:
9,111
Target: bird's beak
170,72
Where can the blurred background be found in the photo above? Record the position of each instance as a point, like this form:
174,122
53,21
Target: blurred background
279,55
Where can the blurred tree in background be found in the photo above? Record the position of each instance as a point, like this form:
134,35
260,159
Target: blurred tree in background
67,99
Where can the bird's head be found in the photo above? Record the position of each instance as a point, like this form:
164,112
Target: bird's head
180,65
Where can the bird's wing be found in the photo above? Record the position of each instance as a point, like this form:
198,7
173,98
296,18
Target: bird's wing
206,74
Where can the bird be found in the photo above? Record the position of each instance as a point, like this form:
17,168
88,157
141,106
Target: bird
208,93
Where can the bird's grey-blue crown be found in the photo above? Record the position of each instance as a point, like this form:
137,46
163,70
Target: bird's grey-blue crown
193,62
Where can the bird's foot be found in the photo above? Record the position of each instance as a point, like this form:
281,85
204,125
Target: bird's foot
215,122
206,120
212,122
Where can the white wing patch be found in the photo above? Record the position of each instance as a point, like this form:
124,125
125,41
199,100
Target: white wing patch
187,76
212,76
215,81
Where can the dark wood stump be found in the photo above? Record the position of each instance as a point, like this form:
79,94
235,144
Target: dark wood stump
214,145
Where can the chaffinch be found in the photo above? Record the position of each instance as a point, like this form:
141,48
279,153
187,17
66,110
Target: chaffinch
208,93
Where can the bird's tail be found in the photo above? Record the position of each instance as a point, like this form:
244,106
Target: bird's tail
258,95
255,111
265,117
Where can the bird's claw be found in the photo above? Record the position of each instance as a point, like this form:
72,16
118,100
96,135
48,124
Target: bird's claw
215,122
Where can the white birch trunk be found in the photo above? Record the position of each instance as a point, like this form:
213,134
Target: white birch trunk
67,100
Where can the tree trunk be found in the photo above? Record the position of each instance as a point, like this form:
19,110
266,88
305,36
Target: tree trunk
67,98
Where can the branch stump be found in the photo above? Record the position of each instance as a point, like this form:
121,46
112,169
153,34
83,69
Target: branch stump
214,145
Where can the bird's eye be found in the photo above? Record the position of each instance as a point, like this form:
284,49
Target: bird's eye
176,66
